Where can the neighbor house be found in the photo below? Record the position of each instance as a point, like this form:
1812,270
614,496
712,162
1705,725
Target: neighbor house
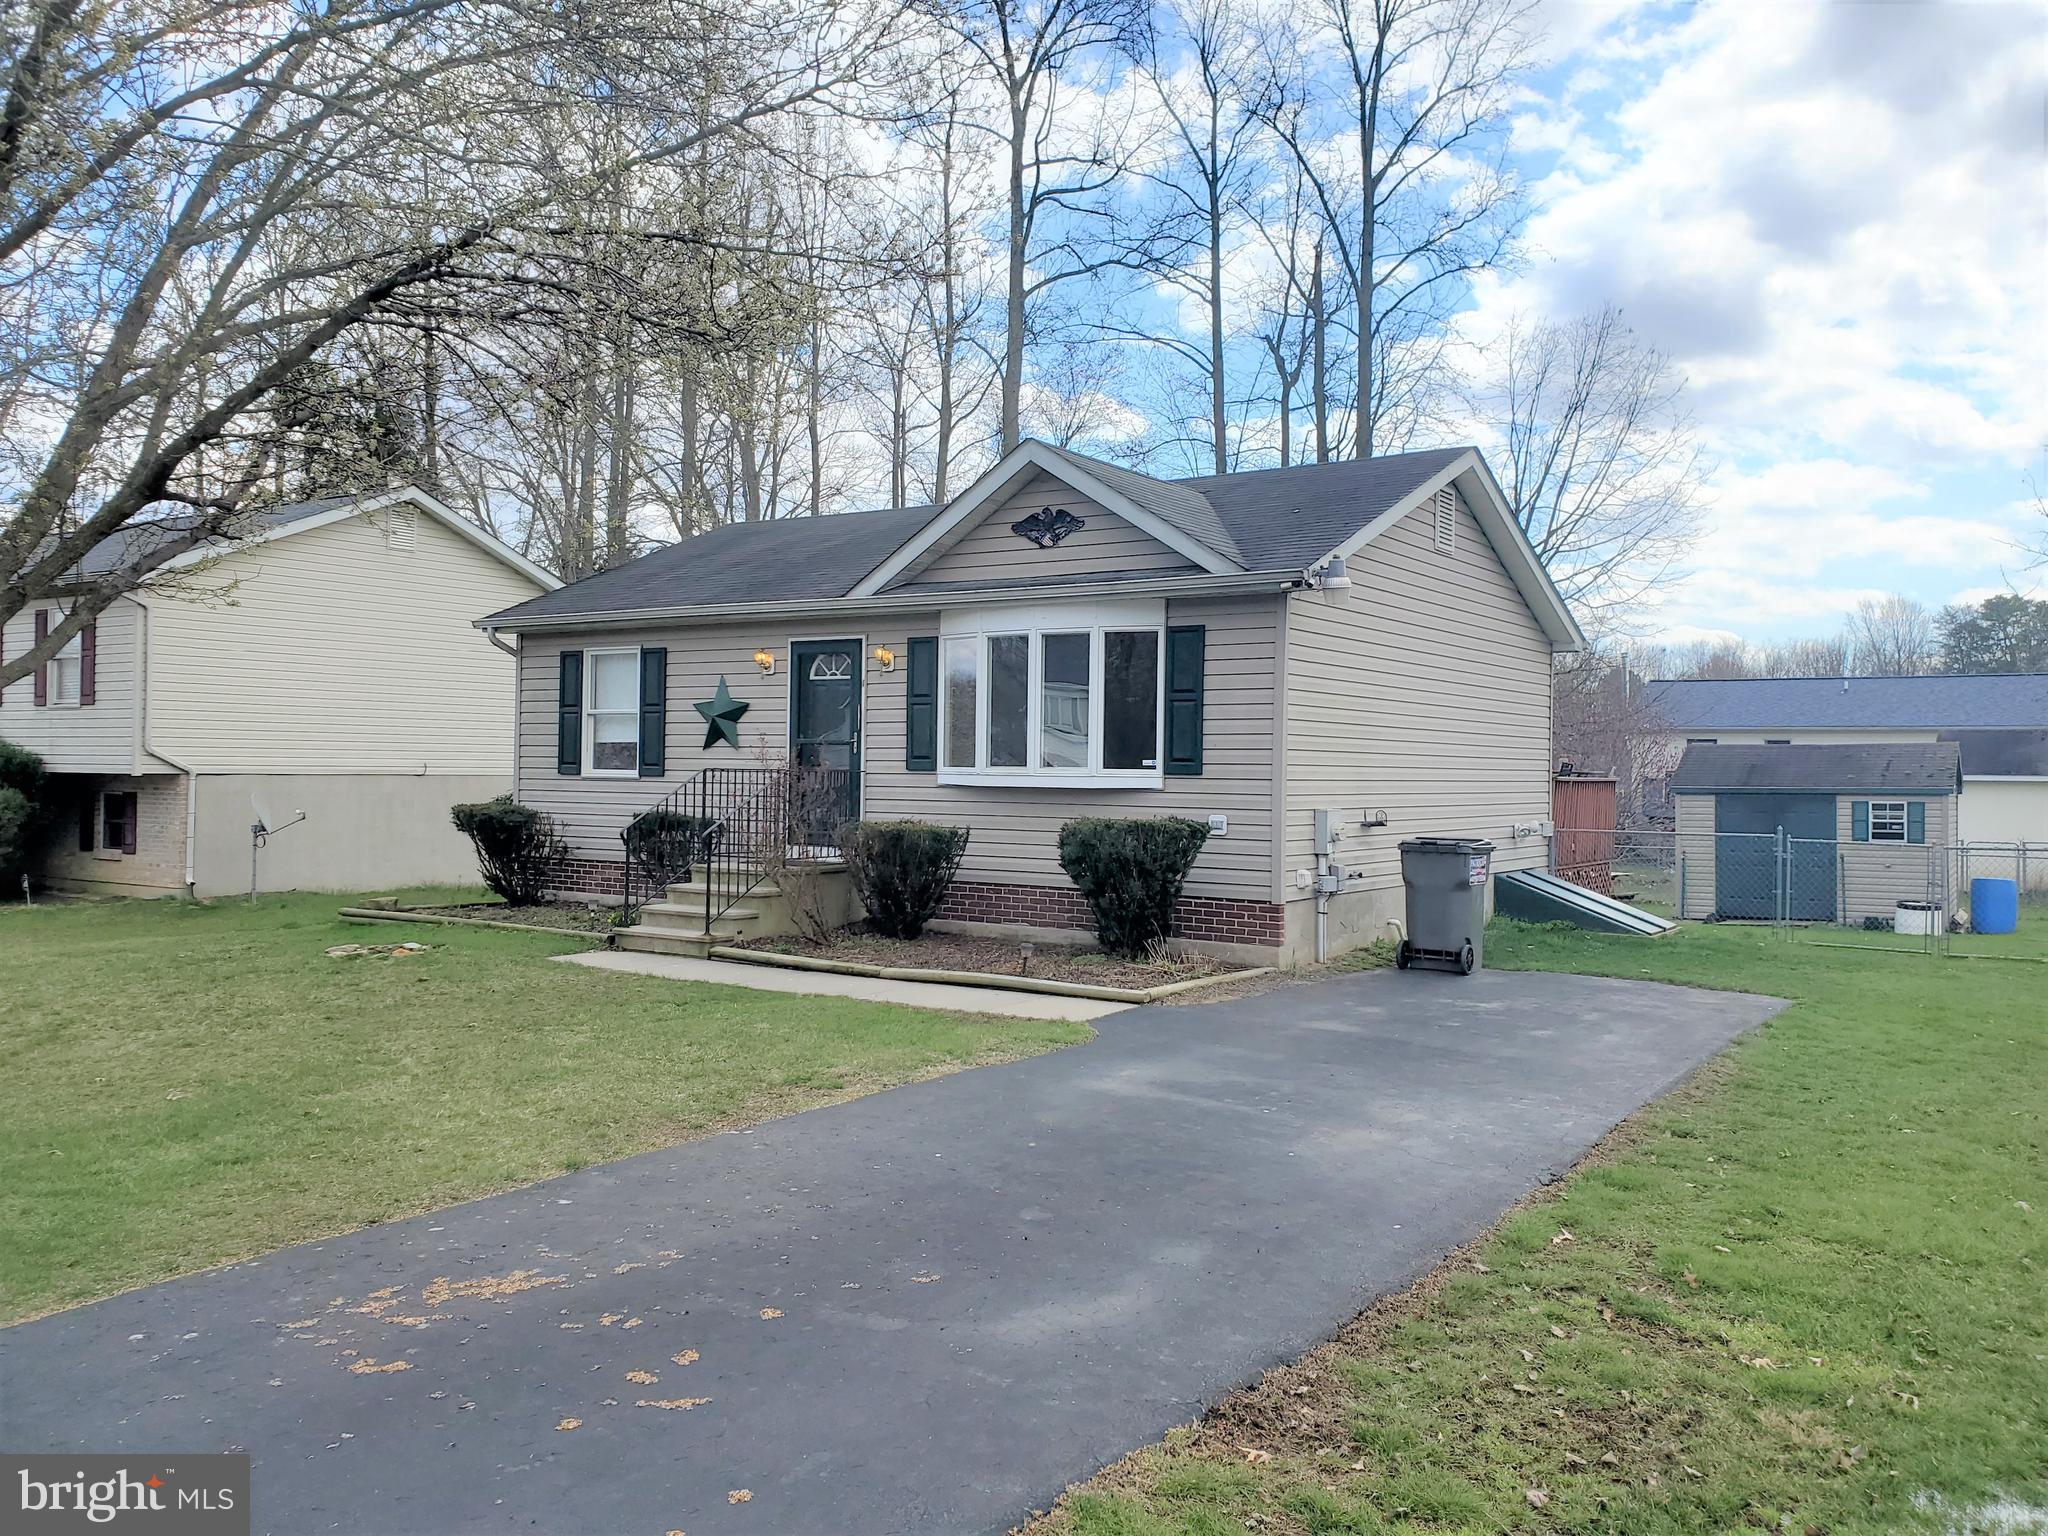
1999,721
324,664
1371,640
1819,834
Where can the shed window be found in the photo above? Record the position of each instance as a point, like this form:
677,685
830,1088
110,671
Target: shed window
611,712
1059,694
1887,821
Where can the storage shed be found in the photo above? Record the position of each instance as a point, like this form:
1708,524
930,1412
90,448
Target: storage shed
1825,833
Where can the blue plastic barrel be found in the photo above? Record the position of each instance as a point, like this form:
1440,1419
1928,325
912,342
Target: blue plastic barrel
1994,906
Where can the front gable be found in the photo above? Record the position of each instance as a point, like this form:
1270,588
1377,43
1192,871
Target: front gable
1128,536
985,549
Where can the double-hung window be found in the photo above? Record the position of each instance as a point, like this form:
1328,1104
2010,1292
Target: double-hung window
1888,821
1067,693
611,711
66,668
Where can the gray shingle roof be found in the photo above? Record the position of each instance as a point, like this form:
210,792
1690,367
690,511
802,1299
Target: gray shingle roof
142,540
2002,754
1963,702
1265,520
1908,768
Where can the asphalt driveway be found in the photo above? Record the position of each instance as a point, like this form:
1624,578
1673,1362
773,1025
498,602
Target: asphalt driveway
927,1310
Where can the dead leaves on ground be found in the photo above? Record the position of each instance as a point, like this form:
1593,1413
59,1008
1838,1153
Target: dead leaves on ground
369,1367
684,1357
672,1404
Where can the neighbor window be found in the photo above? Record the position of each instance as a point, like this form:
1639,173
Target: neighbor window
1887,821
118,821
611,711
1064,693
64,673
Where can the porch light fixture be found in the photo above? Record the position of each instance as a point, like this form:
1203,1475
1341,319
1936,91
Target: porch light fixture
884,658
765,660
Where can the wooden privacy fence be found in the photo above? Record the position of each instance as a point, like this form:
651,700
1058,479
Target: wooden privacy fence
1582,811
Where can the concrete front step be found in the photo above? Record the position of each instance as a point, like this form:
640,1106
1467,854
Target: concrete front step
689,915
677,942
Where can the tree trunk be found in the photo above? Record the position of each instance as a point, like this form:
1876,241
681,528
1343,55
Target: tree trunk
1319,376
1013,310
1217,428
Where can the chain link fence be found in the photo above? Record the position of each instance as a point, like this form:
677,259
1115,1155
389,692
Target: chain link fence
1917,893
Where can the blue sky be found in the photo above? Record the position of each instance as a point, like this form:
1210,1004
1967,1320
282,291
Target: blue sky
1834,218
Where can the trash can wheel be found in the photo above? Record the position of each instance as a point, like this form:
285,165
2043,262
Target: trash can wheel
1466,959
1402,955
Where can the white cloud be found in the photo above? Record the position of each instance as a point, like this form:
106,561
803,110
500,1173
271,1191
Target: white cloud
1830,216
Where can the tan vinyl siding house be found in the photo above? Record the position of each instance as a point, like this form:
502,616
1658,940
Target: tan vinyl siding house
1111,645
328,664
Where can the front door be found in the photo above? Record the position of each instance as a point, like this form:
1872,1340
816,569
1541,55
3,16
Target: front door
824,724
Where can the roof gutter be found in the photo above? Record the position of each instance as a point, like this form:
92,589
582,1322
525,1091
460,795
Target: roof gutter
1202,584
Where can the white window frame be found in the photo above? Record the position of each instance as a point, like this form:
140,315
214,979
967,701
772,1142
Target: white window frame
1893,810
73,655
591,712
1097,621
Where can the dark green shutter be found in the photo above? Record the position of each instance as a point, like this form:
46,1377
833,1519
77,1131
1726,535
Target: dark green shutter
569,715
1859,820
921,705
1916,821
1186,645
653,709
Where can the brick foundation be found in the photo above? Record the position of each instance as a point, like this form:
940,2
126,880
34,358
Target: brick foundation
589,877
1209,919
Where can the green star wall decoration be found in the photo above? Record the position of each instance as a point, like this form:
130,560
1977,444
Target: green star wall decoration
722,718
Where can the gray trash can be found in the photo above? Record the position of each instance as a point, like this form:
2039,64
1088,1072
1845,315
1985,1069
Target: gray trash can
1446,883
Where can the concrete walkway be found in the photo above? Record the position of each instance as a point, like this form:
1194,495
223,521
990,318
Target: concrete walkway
872,989
927,1310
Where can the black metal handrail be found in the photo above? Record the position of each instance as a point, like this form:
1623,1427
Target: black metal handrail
734,826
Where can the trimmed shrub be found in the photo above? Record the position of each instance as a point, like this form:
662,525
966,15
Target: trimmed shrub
1131,873
666,843
901,870
23,813
517,848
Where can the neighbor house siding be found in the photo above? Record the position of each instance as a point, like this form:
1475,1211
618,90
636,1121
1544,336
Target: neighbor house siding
87,738
1871,879
1015,832
337,650
1423,692
989,551
2007,811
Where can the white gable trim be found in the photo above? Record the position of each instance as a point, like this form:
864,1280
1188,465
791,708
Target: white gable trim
1482,494
1028,457
440,513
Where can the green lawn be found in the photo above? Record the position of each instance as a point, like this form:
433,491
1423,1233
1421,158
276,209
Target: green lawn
181,1085
1807,1294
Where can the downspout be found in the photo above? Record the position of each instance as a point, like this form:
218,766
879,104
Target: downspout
491,635
191,775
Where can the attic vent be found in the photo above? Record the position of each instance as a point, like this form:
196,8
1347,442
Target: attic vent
1447,520
401,528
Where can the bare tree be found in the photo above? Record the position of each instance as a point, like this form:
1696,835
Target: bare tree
197,200
1064,222
1208,97
1894,636
1422,82
1602,467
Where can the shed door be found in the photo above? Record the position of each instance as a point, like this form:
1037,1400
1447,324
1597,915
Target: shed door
1746,869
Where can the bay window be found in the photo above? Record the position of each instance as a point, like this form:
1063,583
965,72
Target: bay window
1066,693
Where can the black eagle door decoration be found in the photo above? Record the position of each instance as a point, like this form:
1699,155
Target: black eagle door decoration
1047,526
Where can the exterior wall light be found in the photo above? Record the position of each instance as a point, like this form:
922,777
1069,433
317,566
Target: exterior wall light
884,658
765,660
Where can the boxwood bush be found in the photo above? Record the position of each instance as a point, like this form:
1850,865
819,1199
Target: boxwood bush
901,869
517,847
667,843
1131,873
23,813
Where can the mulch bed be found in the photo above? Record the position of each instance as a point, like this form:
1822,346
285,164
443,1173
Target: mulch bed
542,914
997,957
